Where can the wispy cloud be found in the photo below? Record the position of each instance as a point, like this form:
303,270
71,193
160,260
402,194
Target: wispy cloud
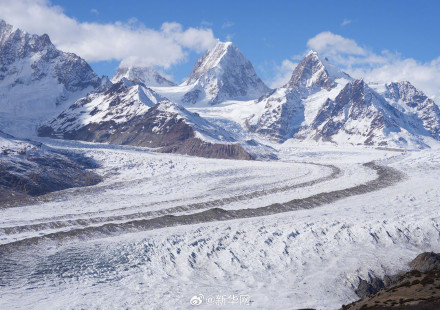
283,73
345,22
129,41
386,66
94,11
227,25
205,23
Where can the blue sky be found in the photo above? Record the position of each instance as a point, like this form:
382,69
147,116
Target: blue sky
359,36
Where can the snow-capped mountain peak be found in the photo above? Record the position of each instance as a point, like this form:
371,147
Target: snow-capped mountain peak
147,75
314,73
37,80
211,59
410,100
223,73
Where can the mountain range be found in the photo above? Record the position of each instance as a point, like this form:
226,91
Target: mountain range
222,110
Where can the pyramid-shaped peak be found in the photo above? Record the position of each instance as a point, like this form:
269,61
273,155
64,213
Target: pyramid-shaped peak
222,53
313,72
223,73
312,53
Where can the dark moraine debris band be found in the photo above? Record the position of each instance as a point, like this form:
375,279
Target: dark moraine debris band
386,176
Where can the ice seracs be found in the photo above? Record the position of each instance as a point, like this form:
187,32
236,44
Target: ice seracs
37,80
221,74
147,75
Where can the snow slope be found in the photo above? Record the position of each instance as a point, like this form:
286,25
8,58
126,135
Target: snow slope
293,107
223,73
129,113
147,75
322,103
37,81
309,257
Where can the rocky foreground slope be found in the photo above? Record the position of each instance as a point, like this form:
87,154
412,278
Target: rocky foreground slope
29,169
416,289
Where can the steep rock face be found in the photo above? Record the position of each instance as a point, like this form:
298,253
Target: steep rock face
287,110
36,79
322,103
117,103
223,73
359,115
147,75
313,74
281,117
409,99
167,126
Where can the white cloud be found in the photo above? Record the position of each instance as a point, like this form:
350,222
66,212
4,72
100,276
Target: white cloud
227,25
283,73
345,22
94,11
229,36
361,62
131,41
334,43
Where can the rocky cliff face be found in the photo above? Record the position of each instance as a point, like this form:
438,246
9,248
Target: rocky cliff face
283,113
116,103
322,103
281,117
127,113
223,73
313,74
362,116
416,289
412,101
36,79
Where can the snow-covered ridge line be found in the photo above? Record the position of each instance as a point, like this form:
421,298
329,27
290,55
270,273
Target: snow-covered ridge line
37,81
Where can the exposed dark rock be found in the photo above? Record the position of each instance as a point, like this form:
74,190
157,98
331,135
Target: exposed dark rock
157,128
404,95
69,70
35,170
426,261
224,73
416,289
